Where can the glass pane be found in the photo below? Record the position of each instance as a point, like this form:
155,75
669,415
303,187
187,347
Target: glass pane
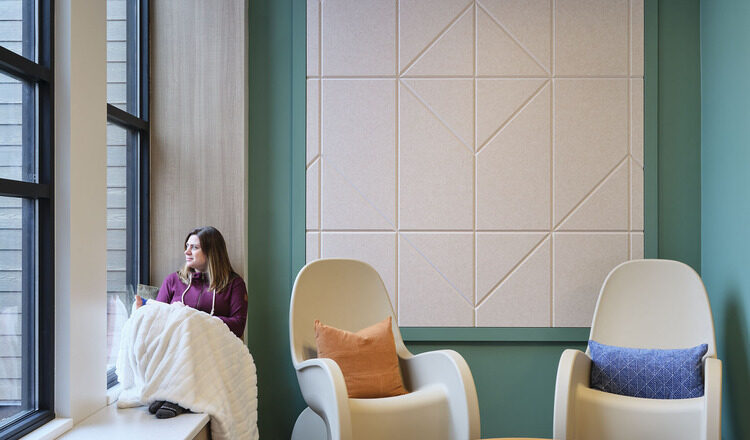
17,293
120,68
17,130
17,30
119,271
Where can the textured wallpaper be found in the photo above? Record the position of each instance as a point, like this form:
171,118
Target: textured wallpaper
486,157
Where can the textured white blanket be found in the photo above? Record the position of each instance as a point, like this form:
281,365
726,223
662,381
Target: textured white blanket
182,355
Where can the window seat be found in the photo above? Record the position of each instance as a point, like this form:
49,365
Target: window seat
112,423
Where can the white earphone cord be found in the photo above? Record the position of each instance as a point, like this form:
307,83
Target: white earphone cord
190,282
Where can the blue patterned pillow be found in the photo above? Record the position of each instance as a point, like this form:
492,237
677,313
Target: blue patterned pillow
649,373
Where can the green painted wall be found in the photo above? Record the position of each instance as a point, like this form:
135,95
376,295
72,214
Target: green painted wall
276,202
679,131
725,176
514,371
515,382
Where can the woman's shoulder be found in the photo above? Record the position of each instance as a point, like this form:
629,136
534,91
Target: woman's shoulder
169,287
236,288
237,282
172,278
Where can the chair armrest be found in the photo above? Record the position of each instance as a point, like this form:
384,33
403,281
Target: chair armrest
449,369
324,390
574,370
712,393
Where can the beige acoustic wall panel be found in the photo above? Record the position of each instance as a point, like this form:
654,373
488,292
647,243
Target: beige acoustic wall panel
198,127
485,156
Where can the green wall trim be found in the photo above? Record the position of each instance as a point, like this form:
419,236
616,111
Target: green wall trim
495,334
679,131
299,136
651,129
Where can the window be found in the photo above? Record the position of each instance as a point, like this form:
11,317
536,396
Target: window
26,217
127,164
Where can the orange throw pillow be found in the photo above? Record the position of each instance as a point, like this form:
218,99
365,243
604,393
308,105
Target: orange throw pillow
367,358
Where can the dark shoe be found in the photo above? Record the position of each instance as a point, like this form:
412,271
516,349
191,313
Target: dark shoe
155,405
169,410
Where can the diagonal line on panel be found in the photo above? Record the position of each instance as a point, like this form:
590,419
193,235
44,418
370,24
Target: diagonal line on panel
513,37
512,271
437,38
592,192
637,161
361,194
513,116
436,115
312,162
456,289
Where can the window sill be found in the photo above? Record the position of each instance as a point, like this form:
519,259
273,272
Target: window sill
112,423
50,430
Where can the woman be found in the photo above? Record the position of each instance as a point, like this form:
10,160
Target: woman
208,283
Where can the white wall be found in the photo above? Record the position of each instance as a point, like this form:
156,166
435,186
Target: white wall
484,156
80,207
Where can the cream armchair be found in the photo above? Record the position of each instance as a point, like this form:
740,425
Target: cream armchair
348,294
642,304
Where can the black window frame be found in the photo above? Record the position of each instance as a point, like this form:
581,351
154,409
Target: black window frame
39,359
135,121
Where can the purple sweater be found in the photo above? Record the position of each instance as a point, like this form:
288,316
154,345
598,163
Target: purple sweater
230,306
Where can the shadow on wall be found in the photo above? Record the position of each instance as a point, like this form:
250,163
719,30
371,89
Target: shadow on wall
736,365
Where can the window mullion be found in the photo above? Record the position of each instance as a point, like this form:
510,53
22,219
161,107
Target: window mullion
18,188
143,61
125,119
30,242
28,304
132,57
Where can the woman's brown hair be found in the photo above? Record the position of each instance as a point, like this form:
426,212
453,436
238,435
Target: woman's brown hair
219,269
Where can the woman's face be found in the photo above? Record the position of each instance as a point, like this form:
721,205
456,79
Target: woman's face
194,256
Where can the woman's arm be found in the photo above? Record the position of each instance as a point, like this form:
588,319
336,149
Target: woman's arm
237,307
166,291
140,302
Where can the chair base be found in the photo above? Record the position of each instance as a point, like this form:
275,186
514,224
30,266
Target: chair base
309,426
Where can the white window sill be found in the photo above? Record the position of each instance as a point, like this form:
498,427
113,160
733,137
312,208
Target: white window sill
112,423
50,430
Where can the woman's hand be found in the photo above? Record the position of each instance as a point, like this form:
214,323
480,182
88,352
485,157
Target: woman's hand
138,302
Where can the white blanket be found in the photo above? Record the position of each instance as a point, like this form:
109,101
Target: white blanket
182,355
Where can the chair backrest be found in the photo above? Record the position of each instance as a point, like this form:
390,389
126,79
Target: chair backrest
345,294
653,304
